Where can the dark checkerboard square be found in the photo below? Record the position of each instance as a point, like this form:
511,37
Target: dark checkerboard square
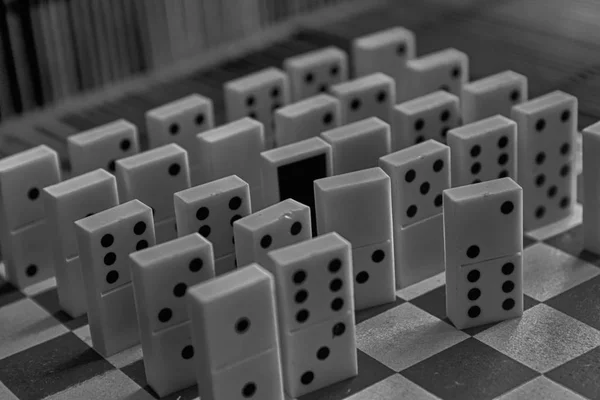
49,301
469,370
581,302
8,293
137,373
51,367
571,242
580,374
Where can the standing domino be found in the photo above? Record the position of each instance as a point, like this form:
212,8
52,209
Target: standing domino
65,203
547,129
313,72
277,226
591,188
358,206
23,223
234,331
153,177
233,149
256,96
369,96
306,118
101,147
358,145
289,172
211,210
386,51
179,122
483,151
105,241
161,276
495,94
315,306
419,174
483,231
446,70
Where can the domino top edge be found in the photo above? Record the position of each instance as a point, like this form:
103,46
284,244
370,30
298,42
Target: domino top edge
151,256
483,126
493,81
15,160
374,174
443,56
141,159
314,57
302,106
383,37
230,129
354,128
300,251
487,188
255,79
184,103
418,151
428,101
554,98
292,151
224,285
100,132
361,83
85,180
107,217
212,188
270,214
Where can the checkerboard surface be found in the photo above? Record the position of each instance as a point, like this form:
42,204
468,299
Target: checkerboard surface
407,349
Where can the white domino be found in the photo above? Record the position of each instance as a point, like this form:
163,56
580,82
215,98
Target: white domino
65,203
161,276
419,174
314,72
358,145
313,281
358,206
547,128
368,96
427,117
483,231
102,146
591,188
483,150
105,241
492,95
235,334
306,118
26,251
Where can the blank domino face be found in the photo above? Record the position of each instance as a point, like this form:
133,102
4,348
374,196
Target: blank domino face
357,205
358,145
101,147
485,292
446,70
153,176
313,281
256,96
386,51
591,188
495,94
277,226
418,174
313,72
306,118
483,221
161,276
232,149
289,172
105,241
179,122
22,178
483,151
427,117
547,129
233,319
211,209
369,96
